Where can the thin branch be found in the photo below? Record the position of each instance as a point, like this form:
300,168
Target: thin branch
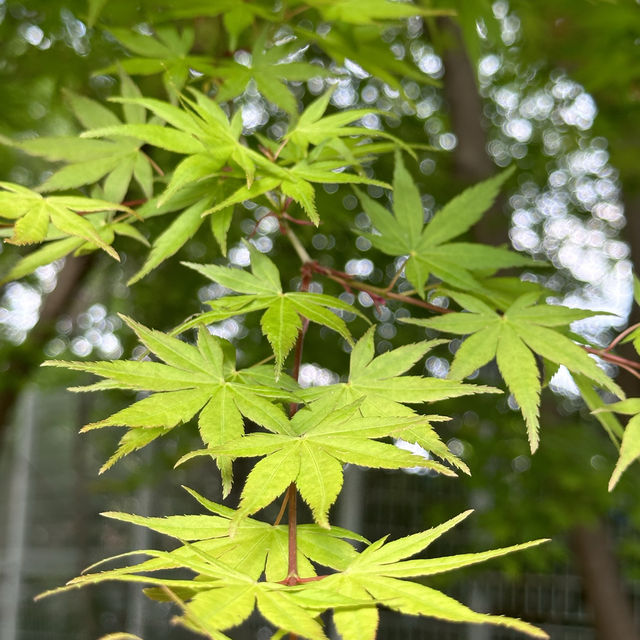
634,373
304,223
280,148
397,274
292,573
297,245
623,335
134,203
298,354
305,580
270,214
154,164
349,283
282,509
611,357
263,361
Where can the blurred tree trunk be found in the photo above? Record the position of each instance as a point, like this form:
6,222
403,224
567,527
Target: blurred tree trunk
591,546
470,157
20,362
594,556
631,201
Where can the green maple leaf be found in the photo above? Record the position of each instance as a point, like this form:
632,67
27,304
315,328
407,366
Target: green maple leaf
428,247
383,390
630,446
203,132
379,572
256,548
227,590
513,338
262,290
220,599
117,160
34,214
310,451
363,45
370,11
194,379
381,385
333,131
166,51
269,69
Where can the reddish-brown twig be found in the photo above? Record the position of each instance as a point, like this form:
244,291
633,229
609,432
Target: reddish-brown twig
622,336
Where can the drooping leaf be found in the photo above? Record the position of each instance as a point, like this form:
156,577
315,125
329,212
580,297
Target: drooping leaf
172,238
630,446
514,337
34,213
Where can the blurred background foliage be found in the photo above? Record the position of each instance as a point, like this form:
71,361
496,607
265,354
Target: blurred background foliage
552,87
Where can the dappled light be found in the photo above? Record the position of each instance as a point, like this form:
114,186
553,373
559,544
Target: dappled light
341,269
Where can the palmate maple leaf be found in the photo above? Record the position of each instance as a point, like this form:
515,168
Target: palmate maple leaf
221,597
379,574
281,321
194,380
228,585
270,68
256,548
513,338
311,449
166,51
229,570
378,384
429,247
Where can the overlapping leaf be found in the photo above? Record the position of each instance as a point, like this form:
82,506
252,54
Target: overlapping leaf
429,248
261,289
525,330
381,385
229,569
227,587
310,451
378,574
257,548
202,131
221,598
194,379
383,391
